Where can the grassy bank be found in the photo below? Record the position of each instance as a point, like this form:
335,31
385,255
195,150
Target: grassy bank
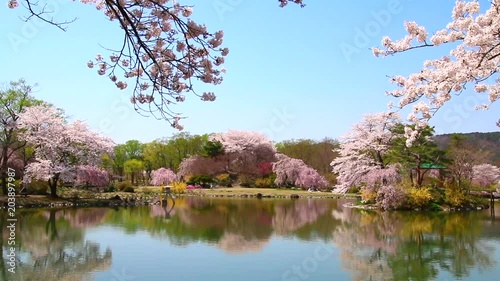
69,197
264,192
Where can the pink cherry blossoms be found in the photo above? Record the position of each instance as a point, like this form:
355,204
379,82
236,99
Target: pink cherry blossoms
90,175
163,52
362,151
283,3
291,171
485,175
59,146
162,176
245,150
473,60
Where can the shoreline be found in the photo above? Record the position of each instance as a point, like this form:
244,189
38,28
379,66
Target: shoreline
121,199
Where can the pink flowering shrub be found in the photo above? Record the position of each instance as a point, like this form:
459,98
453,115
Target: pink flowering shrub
390,197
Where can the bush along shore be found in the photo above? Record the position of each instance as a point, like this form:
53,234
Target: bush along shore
472,201
143,196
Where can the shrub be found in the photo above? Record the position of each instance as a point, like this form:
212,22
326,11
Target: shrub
246,181
368,196
224,180
203,180
419,197
355,189
264,182
109,188
120,186
390,197
454,196
178,187
129,189
37,187
191,187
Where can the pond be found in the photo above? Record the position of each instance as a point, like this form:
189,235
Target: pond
251,239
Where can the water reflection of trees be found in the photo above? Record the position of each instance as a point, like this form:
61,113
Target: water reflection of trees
233,225
290,217
50,247
411,246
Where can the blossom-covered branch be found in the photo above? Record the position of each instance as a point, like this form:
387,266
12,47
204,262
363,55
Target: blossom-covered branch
474,59
163,52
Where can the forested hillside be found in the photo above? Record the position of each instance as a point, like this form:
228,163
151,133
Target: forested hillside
489,142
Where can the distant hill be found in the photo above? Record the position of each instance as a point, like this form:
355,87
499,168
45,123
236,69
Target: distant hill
481,141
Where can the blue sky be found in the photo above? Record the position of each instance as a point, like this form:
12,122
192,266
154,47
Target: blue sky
291,73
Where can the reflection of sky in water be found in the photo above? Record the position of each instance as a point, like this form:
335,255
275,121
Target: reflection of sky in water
147,258
479,274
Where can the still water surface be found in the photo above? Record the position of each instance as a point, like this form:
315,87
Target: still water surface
251,239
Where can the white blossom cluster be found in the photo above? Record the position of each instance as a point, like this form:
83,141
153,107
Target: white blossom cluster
58,145
163,52
474,58
362,150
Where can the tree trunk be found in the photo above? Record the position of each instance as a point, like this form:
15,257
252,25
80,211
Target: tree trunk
51,227
4,168
53,185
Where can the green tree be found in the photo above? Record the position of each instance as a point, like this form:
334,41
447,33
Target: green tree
12,101
118,160
133,168
156,155
419,157
133,149
463,157
212,149
316,154
183,145
169,152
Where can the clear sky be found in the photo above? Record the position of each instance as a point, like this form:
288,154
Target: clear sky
291,73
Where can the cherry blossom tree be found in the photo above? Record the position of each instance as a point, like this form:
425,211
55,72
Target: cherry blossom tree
59,146
291,171
90,175
309,177
244,150
265,169
241,152
199,165
485,174
363,151
162,53
162,176
474,43
287,170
